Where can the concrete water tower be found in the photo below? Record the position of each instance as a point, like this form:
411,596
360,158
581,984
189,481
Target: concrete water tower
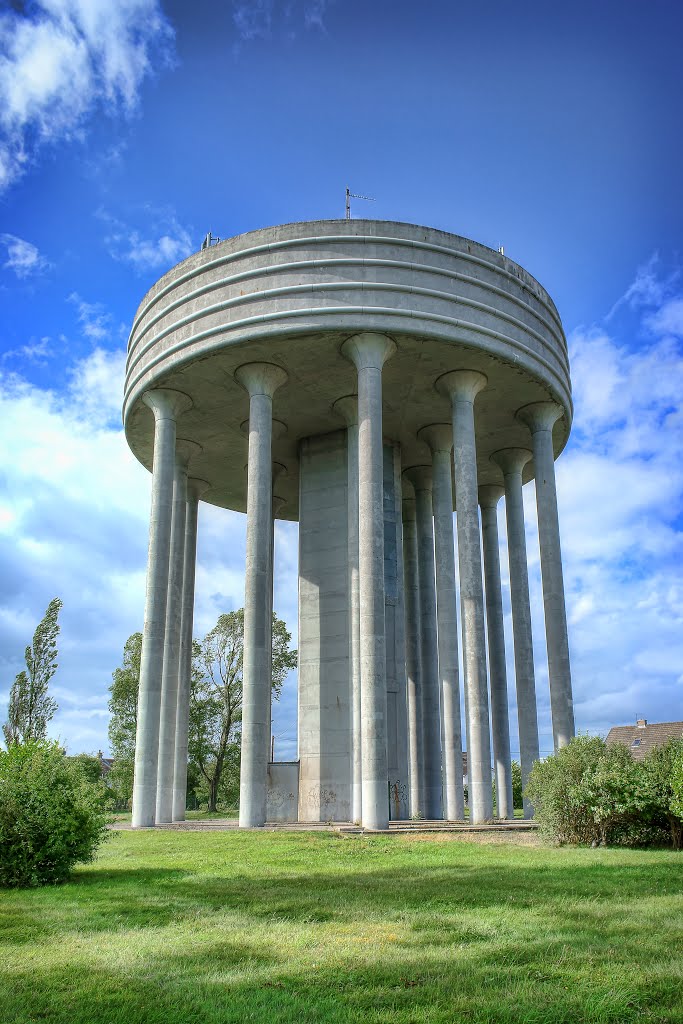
364,378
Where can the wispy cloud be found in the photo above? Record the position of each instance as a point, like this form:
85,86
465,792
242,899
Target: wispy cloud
96,322
23,258
60,59
648,288
162,243
263,19
37,350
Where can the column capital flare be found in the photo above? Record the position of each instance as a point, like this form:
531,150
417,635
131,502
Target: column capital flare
260,378
420,477
166,403
461,384
347,408
437,436
197,487
185,451
490,494
368,350
540,415
511,460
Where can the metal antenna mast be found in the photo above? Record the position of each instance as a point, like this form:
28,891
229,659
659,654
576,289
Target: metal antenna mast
352,195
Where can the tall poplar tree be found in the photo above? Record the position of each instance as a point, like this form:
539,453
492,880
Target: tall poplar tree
30,705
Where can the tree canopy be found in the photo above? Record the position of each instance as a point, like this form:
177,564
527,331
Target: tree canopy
30,705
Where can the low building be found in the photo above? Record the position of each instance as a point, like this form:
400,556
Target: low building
642,737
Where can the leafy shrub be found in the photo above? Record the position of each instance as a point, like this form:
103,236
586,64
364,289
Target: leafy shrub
555,789
663,768
51,816
588,792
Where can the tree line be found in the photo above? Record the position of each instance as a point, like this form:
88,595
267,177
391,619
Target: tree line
215,711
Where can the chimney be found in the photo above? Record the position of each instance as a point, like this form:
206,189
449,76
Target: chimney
641,723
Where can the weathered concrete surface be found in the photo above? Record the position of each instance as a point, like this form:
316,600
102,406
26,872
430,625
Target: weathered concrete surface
463,386
540,418
512,462
295,295
174,609
369,352
325,713
282,791
292,294
167,405
347,407
411,590
394,620
261,381
195,488
421,479
439,438
489,496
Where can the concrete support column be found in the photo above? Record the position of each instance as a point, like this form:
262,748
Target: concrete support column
540,418
260,380
411,590
421,479
369,352
195,488
347,407
439,437
174,609
489,496
512,461
277,504
166,405
462,387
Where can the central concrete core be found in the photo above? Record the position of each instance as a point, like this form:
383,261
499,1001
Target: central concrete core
366,379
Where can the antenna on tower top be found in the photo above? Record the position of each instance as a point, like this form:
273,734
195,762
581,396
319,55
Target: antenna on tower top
352,195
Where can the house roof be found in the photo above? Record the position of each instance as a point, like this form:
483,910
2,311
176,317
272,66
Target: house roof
643,736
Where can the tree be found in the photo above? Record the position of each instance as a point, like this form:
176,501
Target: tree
30,706
123,706
216,697
663,768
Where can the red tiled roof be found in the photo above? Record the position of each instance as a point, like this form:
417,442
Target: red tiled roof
640,739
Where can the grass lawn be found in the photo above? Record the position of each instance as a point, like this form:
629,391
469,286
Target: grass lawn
299,927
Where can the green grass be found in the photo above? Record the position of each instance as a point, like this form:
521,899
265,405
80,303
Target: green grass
297,927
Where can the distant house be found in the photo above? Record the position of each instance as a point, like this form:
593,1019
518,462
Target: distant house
106,763
642,737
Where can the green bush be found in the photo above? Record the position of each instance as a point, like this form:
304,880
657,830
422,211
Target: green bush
51,815
588,792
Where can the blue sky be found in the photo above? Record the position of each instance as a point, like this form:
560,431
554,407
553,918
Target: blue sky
129,129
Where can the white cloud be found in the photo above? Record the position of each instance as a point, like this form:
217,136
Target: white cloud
23,257
620,487
59,59
169,243
96,322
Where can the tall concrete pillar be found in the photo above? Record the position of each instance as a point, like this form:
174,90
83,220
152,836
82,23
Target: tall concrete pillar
278,504
260,380
411,590
512,461
540,418
174,609
195,488
421,479
166,405
462,387
347,407
395,613
439,437
369,352
489,496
